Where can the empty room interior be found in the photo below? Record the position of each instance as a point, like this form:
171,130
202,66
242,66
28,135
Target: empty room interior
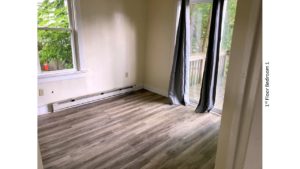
149,84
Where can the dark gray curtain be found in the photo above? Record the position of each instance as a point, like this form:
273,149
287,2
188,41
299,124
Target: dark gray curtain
209,83
179,81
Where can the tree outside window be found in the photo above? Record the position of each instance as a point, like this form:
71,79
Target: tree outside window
54,36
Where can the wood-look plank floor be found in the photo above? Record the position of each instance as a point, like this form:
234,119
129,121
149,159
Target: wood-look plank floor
137,131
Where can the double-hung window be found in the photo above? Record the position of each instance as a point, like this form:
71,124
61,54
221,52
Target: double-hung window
56,41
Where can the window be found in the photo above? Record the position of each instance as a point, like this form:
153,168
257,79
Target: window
225,47
56,45
200,17
200,23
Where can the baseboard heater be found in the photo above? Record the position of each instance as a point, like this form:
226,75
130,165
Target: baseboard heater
79,101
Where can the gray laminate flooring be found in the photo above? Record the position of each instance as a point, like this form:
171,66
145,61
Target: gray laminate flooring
137,131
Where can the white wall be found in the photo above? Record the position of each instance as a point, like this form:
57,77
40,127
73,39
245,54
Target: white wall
240,137
160,44
145,30
112,34
253,156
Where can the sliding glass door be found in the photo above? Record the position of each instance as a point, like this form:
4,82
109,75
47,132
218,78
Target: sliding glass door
200,16
224,57
200,23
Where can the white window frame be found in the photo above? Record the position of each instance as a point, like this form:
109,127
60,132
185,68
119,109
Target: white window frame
78,68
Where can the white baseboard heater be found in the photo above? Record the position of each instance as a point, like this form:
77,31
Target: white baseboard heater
75,102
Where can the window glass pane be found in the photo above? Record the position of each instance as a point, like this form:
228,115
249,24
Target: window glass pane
229,18
200,19
200,24
53,13
200,14
54,49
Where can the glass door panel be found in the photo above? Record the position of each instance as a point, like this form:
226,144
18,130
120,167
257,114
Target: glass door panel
200,17
200,23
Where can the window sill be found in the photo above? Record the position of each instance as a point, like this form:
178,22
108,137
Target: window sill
44,78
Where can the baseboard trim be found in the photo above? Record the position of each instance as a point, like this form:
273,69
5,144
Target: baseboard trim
43,110
156,90
46,108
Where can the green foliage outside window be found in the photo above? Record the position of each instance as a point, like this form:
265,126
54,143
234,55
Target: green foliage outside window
228,25
54,45
200,19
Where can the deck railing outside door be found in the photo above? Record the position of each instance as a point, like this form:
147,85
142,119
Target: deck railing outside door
197,63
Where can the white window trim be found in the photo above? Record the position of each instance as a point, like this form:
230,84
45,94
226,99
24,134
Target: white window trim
61,75
78,69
